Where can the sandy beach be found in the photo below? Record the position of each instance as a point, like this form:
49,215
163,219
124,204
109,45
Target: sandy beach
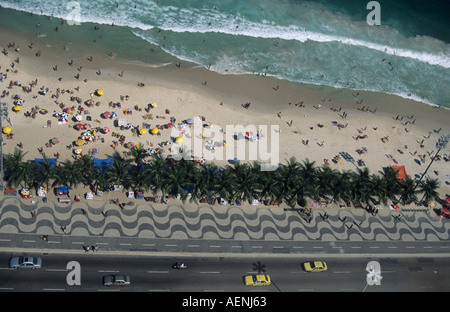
314,122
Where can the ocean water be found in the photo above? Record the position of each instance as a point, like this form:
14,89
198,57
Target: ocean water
321,42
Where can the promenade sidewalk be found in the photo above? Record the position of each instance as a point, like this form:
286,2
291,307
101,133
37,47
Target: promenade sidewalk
215,222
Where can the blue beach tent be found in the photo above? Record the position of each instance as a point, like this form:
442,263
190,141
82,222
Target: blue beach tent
102,164
50,161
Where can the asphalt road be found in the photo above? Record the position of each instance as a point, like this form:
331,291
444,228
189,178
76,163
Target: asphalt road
213,274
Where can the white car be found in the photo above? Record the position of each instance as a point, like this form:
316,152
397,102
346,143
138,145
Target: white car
116,280
25,262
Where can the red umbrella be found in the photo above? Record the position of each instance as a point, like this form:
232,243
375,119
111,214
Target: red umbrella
106,115
80,126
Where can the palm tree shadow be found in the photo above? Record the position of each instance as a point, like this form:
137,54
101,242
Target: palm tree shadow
259,267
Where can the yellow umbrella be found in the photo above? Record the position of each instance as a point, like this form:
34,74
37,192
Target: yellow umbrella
78,151
155,130
179,140
99,92
17,108
7,130
142,131
79,142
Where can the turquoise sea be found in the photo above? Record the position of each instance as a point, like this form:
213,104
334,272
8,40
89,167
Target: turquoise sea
320,42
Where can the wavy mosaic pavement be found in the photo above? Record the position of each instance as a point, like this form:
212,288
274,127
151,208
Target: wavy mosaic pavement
215,222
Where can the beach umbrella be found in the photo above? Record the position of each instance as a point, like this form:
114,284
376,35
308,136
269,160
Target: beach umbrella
43,111
179,140
17,108
106,115
54,141
79,117
142,131
79,126
7,130
155,130
99,92
189,121
79,142
78,151
105,130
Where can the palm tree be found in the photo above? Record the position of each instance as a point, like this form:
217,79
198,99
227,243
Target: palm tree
343,187
326,179
13,171
44,171
138,154
362,185
199,183
379,189
270,185
22,175
87,166
226,183
70,173
246,182
174,181
211,172
288,176
297,194
308,171
428,188
141,179
392,182
99,180
408,193
158,167
119,174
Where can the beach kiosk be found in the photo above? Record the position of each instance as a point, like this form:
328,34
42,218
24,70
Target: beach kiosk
63,191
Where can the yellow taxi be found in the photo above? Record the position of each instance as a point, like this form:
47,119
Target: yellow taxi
257,280
314,266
